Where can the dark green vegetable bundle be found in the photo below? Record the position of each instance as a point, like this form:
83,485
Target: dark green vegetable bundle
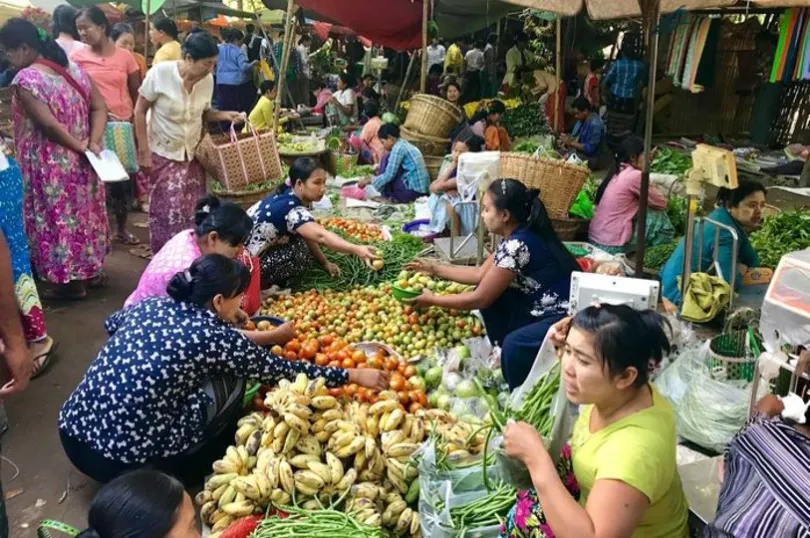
676,211
525,146
526,120
670,161
781,234
354,272
360,170
485,511
655,257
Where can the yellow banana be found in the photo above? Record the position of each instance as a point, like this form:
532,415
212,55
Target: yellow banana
253,418
242,509
373,425
277,496
350,449
226,467
332,414
415,524
360,460
217,494
219,480
323,437
308,445
302,461
272,472
311,505
394,419
297,423
264,459
228,497
267,438
319,425
290,441
243,432
223,523
265,488
247,486
285,477
207,510
347,481
310,479
374,521
324,472
332,426
203,497
335,468
401,449
302,412
300,385
324,402
383,406
370,448
342,439
253,442
404,522
366,490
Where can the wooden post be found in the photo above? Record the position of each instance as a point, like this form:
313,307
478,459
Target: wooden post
146,32
405,81
282,75
559,76
425,15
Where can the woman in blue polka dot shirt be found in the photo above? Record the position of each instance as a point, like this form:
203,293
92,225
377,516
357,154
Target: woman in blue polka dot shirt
145,400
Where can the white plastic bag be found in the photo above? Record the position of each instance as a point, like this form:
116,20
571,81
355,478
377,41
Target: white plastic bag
438,524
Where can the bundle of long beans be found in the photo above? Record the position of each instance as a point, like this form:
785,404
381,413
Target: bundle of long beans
485,511
328,522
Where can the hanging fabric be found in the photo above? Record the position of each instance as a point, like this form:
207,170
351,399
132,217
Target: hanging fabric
707,66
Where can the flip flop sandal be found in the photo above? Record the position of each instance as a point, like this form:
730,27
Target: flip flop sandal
142,251
127,239
39,369
99,281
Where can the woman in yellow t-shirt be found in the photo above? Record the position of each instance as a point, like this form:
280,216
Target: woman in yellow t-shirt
623,444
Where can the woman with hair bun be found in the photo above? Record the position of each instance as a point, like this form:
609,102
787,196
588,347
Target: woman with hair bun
142,503
522,289
58,115
154,395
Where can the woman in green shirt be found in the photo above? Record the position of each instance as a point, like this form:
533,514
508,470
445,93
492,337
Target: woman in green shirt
623,444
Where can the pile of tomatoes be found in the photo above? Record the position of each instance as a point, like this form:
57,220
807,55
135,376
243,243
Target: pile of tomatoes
354,228
337,352
369,314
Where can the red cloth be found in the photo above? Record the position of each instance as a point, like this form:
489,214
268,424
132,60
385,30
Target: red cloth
398,26
323,29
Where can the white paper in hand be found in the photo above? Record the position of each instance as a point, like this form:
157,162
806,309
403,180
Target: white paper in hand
107,166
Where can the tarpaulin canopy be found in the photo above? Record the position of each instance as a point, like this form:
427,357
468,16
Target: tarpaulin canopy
399,24
619,9
323,29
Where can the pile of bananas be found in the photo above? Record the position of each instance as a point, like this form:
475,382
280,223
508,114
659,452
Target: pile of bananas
377,506
310,449
459,444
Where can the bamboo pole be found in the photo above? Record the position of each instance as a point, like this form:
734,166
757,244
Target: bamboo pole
425,14
558,74
651,17
282,75
146,32
405,82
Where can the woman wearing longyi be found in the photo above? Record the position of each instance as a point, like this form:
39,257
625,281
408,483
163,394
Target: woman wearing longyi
623,443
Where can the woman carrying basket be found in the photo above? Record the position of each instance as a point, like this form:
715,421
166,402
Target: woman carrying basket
522,289
178,94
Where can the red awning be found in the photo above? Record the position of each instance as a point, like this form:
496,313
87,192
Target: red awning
397,26
323,29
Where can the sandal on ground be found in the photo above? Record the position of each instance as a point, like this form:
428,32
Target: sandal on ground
99,281
142,251
61,294
126,238
43,360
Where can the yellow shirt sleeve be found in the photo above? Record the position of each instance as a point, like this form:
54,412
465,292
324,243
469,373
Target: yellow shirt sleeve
169,52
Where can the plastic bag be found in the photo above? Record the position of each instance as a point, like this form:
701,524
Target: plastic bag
674,381
582,206
439,524
712,412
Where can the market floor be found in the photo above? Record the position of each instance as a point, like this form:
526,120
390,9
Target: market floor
47,486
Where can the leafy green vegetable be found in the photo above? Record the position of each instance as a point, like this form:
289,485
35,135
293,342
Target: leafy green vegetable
526,120
218,188
781,234
526,146
676,211
655,257
670,161
361,170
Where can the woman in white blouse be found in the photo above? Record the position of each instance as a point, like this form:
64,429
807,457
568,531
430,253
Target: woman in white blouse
178,94
342,108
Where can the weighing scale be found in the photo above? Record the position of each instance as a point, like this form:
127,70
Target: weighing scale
715,166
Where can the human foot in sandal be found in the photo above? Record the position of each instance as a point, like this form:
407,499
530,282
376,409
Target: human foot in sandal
126,238
41,353
73,291
99,281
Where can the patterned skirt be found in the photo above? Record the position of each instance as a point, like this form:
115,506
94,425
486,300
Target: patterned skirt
175,188
282,263
11,224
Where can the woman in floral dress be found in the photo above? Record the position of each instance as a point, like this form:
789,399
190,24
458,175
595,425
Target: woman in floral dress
58,115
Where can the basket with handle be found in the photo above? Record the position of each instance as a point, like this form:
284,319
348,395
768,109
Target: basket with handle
432,116
430,146
47,526
245,199
559,182
732,354
240,159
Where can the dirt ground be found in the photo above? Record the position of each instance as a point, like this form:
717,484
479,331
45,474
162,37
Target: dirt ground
47,486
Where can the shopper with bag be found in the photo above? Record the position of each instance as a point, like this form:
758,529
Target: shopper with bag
58,115
219,228
623,443
158,393
117,76
178,95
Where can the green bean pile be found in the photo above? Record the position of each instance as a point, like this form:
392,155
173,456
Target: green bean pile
536,407
327,522
354,271
485,511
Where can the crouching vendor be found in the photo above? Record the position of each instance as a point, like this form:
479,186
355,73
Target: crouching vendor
158,393
522,289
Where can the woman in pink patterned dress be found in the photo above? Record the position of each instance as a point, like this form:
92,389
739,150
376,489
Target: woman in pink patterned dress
58,115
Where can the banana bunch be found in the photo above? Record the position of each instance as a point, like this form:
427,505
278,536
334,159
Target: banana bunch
461,440
383,506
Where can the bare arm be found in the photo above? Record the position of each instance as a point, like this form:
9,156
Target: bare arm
13,349
142,106
98,116
317,234
460,274
134,84
42,117
211,116
317,253
492,286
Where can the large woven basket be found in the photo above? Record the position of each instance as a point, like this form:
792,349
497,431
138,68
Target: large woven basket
245,200
432,116
430,146
559,183
567,228
434,165
237,160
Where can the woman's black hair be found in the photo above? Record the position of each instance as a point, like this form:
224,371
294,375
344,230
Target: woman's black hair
230,221
208,277
64,21
97,17
528,210
474,143
625,338
267,86
200,46
630,148
582,104
436,69
388,130
733,197
121,28
597,63
236,36
371,108
347,79
301,170
17,32
140,503
495,107
167,26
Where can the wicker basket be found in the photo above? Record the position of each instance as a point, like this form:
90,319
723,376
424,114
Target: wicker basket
728,352
434,165
567,228
559,183
432,116
245,200
430,146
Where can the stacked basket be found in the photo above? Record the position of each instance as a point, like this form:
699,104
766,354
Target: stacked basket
559,184
428,125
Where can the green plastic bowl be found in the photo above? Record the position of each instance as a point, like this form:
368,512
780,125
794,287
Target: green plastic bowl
403,295
250,392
